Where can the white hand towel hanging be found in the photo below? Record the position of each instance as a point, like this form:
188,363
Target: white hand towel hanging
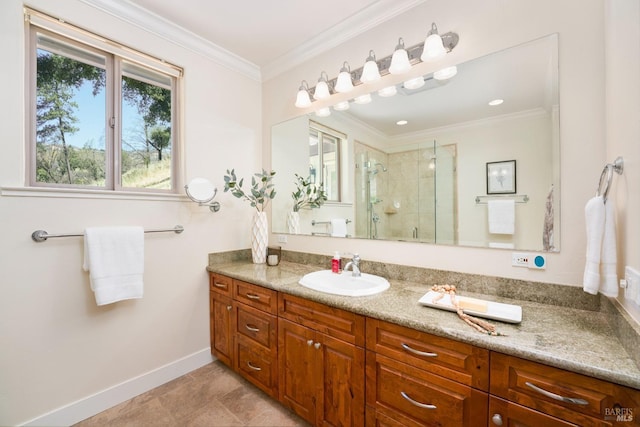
600,270
339,227
114,256
502,216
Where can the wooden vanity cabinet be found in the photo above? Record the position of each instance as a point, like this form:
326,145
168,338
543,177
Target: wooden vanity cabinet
568,397
418,379
221,317
321,362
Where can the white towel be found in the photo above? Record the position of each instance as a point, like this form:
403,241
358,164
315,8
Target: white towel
114,256
600,269
501,215
339,227
547,228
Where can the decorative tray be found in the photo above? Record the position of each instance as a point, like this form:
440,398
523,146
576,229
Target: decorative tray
475,307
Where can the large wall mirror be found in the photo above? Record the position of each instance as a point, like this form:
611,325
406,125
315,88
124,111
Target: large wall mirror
437,164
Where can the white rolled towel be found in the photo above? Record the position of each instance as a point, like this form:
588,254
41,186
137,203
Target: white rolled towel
339,227
594,217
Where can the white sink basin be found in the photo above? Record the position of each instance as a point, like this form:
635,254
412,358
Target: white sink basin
344,283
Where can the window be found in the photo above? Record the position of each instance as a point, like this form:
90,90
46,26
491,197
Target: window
324,159
102,116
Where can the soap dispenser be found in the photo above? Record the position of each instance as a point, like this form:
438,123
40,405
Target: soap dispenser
336,263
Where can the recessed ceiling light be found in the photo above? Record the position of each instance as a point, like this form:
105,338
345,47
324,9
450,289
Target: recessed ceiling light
496,102
401,122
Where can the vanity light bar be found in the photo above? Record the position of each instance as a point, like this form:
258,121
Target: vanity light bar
450,40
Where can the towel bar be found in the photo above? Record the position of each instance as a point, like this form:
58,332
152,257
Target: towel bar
42,236
314,222
523,198
617,166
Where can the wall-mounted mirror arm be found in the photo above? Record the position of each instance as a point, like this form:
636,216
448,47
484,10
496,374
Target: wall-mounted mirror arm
202,191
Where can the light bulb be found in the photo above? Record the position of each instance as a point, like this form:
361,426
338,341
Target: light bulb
302,99
400,59
323,112
433,46
363,99
344,83
341,106
370,71
322,88
414,83
387,91
446,73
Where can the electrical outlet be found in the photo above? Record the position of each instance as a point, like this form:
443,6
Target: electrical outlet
282,238
632,291
519,259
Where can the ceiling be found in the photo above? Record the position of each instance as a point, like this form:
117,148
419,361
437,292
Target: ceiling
263,31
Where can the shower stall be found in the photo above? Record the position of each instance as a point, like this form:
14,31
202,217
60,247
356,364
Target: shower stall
406,195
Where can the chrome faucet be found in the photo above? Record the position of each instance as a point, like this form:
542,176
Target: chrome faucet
354,265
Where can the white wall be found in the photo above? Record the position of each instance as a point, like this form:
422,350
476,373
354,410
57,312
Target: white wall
622,25
484,27
57,346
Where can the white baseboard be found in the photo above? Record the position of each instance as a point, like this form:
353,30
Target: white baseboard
105,399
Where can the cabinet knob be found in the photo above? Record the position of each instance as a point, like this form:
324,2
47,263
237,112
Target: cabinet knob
497,419
310,343
317,345
229,308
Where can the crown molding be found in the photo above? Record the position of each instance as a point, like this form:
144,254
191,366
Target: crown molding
374,15
161,27
368,18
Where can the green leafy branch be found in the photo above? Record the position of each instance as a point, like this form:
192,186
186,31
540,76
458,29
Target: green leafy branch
307,195
262,189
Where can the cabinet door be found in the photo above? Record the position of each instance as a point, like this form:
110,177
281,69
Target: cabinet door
342,394
299,370
221,327
509,414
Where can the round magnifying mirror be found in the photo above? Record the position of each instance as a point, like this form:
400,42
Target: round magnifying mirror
200,190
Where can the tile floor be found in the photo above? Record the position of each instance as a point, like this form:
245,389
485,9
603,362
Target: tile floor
210,396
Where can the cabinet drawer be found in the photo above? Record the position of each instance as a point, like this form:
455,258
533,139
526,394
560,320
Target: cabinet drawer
334,322
414,397
576,398
220,284
454,360
257,365
503,413
256,296
257,326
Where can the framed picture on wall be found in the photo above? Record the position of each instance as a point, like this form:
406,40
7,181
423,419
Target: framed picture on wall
501,177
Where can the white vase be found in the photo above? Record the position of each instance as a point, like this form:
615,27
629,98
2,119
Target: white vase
259,237
293,222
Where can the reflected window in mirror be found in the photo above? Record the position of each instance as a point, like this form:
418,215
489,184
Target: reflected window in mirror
324,159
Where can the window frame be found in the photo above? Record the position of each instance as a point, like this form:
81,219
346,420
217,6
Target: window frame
115,54
341,139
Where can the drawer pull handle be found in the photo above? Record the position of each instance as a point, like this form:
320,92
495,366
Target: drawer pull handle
554,396
253,296
310,343
418,404
418,352
219,285
251,328
255,368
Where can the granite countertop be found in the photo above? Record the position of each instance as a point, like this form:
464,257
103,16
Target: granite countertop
575,339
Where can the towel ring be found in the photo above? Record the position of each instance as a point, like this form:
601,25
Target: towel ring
607,175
